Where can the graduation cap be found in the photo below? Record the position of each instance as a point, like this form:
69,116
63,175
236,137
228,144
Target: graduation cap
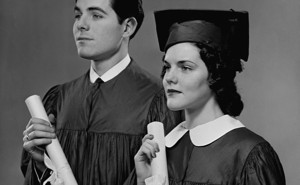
226,31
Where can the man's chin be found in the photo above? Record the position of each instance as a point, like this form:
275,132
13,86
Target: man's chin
85,55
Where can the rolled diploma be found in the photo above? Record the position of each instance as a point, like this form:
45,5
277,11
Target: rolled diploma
55,152
159,164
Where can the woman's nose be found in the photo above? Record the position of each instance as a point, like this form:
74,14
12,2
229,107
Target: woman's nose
170,76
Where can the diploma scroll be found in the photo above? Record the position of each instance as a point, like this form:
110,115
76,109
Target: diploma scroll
55,152
159,164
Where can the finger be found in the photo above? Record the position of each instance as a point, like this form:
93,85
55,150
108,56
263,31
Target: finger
52,119
156,146
29,145
36,121
147,136
39,121
146,153
39,127
151,150
26,138
40,134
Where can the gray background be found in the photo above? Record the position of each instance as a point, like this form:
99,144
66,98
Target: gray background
37,51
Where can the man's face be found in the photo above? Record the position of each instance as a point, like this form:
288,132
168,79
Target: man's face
97,32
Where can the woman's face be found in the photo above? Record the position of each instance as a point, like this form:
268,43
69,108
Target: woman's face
185,79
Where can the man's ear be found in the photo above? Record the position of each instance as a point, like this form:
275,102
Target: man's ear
130,25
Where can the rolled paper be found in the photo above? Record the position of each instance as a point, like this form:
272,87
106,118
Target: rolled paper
55,152
159,164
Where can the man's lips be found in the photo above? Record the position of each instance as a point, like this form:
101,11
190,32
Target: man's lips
83,38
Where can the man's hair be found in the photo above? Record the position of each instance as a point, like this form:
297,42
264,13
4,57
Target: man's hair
129,8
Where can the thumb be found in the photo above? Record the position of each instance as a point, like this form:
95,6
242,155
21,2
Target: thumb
52,118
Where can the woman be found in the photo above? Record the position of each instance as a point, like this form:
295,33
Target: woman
203,52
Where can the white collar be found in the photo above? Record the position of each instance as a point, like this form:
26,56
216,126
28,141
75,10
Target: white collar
112,72
204,134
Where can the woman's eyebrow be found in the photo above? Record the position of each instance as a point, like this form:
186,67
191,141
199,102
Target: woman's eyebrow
183,61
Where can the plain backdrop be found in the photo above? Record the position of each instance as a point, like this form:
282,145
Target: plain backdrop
37,51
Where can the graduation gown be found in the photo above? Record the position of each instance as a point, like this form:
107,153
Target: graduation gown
230,155
100,126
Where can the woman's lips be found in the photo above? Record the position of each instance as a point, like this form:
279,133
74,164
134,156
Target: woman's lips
172,91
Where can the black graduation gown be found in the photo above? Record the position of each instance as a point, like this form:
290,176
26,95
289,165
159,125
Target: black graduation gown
100,128
240,157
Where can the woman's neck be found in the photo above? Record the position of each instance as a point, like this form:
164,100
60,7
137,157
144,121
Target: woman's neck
208,112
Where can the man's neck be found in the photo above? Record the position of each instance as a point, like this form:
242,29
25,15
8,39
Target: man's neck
101,66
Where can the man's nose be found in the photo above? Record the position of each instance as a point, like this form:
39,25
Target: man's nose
82,24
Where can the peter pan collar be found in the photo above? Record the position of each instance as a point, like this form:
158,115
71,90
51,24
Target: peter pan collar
112,72
206,133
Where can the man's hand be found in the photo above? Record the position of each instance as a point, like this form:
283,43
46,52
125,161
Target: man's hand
37,135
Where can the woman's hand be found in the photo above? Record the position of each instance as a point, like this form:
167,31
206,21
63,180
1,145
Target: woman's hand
37,134
144,157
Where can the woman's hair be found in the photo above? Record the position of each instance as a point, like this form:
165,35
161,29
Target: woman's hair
222,70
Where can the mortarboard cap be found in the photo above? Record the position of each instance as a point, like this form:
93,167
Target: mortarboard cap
222,30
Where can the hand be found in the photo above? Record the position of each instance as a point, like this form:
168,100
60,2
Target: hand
37,134
144,157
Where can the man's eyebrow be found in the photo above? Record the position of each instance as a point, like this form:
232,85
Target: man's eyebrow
94,8
76,8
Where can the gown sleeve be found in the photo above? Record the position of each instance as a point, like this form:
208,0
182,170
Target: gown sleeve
50,100
131,179
27,164
263,167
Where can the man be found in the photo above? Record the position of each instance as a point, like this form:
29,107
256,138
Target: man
100,117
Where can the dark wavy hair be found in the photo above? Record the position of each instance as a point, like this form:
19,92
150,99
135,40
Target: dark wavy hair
222,70
129,8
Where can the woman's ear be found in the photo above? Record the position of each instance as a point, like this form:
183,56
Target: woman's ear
130,25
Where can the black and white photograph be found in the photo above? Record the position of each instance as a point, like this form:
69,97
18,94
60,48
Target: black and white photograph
150,92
